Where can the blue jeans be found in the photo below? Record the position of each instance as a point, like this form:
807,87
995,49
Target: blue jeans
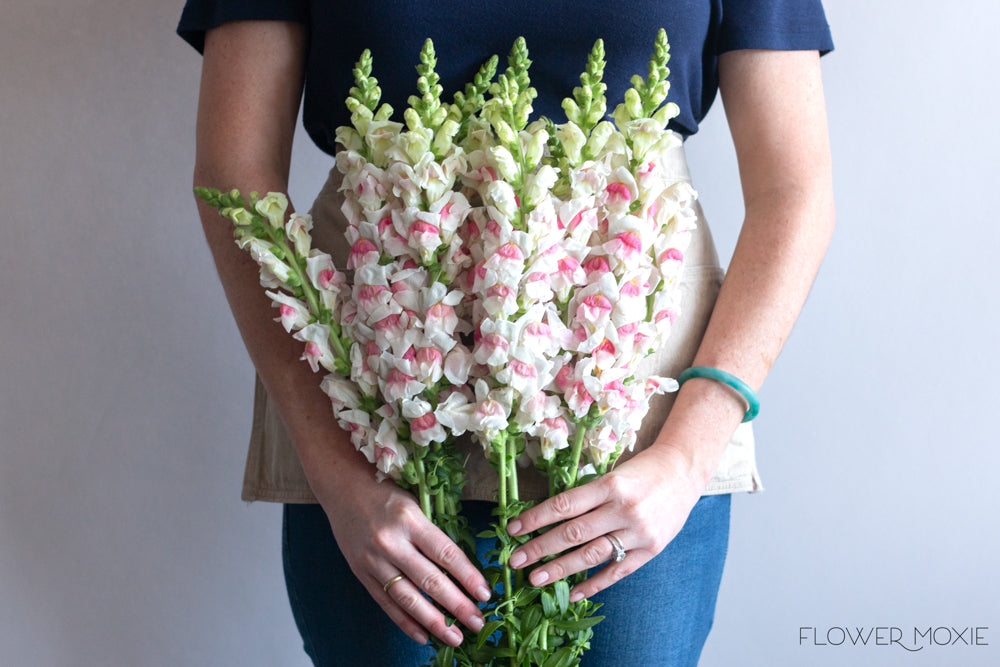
659,615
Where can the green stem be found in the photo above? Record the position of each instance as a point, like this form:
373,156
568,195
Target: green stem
278,237
423,492
501,447
514,494
574,470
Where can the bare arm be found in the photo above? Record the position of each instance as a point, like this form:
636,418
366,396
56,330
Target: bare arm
774,103
250,91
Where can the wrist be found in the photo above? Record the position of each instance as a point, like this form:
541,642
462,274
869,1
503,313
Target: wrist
703,417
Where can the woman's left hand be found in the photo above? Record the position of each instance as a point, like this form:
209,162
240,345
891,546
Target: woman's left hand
643,503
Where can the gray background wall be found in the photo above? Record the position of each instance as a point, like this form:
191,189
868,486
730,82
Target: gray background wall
125,394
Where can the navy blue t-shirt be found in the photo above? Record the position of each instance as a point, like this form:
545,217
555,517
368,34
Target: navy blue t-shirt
559,35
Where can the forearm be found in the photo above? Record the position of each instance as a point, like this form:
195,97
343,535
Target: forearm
777,116
777,256
327,455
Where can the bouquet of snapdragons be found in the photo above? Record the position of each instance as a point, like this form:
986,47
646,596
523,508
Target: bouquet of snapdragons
508,279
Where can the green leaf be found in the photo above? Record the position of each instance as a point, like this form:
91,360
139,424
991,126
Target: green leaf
574,625
528,643
548,604
487,631
562,595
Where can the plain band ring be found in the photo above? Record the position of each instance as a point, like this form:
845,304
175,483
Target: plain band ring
388,584
618,551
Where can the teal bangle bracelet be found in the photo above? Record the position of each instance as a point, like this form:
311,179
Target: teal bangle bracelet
748,394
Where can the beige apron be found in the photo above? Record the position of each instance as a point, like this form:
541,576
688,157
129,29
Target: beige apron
273,472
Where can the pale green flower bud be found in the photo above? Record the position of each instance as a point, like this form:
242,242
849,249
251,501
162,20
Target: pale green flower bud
539,184
273,207
412,119
442,140
665,113
439,116
384,112
240,216
493,111
572,139
505,162
504,132
599,136
572,111
621,115
349,138
597,113
633,103
536,125
535,147
360,117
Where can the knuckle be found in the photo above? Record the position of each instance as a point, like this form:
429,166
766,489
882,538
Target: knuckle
556,571
574,532
449,555
616,485
432,584
409,602
562,505
409,514
382,540
593,554
646,534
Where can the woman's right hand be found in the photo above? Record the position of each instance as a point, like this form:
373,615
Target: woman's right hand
382,533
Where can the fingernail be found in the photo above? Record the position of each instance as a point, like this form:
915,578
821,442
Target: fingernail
421,638
539,577
483,594
576,597
455,635
517,559
476,623
514,527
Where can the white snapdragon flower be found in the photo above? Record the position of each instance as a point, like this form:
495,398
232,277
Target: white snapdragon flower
424,426
261,253
297,231
294,314
455,412
317,349
273,206
342,392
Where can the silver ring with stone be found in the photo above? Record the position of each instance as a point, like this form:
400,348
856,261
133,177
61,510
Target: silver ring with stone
618,551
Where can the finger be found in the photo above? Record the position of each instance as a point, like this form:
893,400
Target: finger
577,532
608,575
591,554
565,505
409,600
395,612
430,579
441,550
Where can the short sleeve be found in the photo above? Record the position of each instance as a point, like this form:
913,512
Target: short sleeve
782,25
201,15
